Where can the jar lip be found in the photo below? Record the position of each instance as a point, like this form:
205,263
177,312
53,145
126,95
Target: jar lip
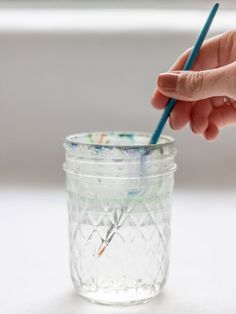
76,140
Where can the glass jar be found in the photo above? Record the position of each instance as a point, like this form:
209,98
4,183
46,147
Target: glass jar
119,196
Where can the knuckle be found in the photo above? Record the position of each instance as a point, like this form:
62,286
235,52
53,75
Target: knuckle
195,83
230,35
230,78
233,79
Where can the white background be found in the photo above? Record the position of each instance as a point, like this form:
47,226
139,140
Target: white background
63,72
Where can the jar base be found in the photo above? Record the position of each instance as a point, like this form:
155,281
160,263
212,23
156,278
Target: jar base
114,301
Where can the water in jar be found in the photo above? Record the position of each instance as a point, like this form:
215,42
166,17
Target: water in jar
119,247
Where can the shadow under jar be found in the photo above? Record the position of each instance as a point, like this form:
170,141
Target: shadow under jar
119,198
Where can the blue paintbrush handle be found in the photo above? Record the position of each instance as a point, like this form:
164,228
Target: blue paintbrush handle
190,61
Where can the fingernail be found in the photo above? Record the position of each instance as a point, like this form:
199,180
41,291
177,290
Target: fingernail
168,81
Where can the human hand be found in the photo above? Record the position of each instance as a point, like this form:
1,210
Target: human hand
206,96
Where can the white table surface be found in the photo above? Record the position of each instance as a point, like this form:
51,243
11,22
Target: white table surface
34,268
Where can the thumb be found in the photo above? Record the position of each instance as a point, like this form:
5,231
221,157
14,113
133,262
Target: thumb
196,85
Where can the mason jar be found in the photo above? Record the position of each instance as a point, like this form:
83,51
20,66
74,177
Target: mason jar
119,198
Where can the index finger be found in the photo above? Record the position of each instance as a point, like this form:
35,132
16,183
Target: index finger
209,48
207,58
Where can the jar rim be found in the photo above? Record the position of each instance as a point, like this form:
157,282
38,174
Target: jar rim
76,140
